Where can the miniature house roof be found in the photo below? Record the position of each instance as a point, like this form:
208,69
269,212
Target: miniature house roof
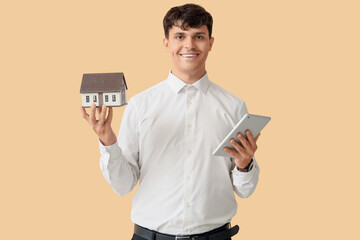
103,82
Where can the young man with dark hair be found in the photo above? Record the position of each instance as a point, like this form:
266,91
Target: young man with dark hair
166,138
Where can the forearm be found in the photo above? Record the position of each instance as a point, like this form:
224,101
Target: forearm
118,172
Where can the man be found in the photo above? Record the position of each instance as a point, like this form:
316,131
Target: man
166,138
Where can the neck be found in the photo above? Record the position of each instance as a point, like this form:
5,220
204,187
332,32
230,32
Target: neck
188,77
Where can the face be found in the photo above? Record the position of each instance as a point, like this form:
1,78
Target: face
188,49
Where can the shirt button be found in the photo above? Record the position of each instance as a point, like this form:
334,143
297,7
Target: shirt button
186,230
187,204
189,125
189,150
188,177
189,102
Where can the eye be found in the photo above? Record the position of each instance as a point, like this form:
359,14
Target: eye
179,37
199,37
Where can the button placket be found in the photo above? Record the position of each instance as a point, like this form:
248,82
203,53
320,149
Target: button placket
189,138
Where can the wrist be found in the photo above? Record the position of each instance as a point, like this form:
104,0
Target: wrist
108,140
247,168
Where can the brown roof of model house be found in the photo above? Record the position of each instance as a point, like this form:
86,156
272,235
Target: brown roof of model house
103,82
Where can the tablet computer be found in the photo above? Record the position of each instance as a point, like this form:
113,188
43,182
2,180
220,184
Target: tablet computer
254,123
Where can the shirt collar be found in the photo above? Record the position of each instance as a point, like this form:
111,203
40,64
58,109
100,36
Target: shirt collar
177,84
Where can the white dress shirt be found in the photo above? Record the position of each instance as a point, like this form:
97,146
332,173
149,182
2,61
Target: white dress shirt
166,138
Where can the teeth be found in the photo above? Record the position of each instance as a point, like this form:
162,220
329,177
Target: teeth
188,55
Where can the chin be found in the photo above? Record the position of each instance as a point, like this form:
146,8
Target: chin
189,68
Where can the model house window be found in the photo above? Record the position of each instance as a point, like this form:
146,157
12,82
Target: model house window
106,98
87,99
114,98
94,98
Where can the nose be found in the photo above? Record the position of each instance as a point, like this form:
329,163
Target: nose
189,43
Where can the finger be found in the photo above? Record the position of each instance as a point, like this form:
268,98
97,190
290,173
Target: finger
98,112
84,113
250,138
110,116
243,141
256,138
231,152
92,116
237,146
102,114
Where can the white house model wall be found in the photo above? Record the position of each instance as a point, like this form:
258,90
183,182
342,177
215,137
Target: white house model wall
112,99
89,98
109,99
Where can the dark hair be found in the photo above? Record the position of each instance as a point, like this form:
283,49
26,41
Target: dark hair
190,15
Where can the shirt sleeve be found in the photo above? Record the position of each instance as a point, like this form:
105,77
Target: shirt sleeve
245,182
119,162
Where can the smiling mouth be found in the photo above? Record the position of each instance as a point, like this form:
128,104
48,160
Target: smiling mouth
190,55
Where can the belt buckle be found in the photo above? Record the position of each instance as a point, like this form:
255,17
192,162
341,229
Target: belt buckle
180,237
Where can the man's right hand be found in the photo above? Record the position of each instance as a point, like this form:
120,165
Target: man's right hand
102,126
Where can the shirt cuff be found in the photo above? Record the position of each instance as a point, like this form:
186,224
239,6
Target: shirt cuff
113,149
240,177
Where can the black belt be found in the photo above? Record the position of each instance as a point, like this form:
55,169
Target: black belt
220,233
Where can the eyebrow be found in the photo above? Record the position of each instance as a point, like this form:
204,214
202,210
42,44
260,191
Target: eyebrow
196,33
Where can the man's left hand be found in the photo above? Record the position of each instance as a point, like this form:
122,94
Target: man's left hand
243,153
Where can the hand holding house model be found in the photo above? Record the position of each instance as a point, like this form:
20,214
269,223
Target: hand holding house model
103,88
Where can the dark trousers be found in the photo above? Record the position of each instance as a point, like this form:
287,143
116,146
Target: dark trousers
136,237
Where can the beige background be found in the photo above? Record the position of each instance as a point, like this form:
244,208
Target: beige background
297,61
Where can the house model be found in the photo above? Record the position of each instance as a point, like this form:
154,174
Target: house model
103,88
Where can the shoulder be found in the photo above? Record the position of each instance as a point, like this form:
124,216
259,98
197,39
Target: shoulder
151,92
224,94
146,99
235,106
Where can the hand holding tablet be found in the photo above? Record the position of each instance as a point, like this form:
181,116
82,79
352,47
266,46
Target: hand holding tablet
254,123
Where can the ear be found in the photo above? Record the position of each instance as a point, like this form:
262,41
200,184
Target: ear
165,43
211,42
